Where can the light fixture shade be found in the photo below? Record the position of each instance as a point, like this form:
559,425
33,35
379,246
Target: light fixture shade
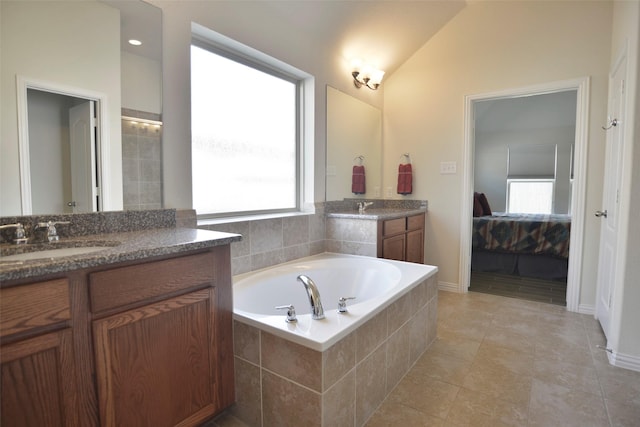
365,75
375,77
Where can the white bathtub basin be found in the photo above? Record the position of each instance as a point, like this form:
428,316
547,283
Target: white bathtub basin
375,283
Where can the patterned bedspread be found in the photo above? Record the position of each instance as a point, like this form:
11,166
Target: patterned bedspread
523,233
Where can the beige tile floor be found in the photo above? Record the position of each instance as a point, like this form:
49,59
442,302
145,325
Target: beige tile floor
500,361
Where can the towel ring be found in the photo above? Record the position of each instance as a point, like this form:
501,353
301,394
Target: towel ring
405,155
360,158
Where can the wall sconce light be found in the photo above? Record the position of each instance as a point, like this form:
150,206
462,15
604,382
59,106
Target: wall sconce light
364,75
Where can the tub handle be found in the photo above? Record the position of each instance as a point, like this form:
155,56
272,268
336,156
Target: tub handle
342,304
291,312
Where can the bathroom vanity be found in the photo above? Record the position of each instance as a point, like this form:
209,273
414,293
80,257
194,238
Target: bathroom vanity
139,333
402,238
391,229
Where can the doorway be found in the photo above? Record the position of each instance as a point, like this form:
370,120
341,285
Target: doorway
577,187
47,169
62,153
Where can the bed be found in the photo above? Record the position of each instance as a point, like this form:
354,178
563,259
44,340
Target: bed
530,245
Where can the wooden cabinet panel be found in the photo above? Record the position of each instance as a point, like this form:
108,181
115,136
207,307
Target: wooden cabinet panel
415,222
33,306
393,226
394,247
156,365
38,382
123,286
402,238
415,246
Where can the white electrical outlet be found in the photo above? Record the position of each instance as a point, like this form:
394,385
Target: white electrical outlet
389,192
376,191
331,171
447,168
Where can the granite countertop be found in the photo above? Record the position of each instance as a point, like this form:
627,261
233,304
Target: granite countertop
119,247
377,213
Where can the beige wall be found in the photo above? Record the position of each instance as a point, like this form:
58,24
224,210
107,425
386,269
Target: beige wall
68,43
488,47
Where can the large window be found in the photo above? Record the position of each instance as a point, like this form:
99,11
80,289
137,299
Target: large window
245,124
530,196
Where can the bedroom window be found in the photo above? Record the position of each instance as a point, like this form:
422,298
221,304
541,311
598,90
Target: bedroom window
246,139
532,196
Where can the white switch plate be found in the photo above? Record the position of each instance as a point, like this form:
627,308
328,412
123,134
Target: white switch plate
448,168
331,171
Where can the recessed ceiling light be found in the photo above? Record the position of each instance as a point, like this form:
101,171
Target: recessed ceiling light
135,42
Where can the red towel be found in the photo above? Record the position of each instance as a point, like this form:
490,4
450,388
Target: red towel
357,180
405,179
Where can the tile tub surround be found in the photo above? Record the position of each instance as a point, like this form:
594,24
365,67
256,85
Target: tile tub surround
267,242
286,384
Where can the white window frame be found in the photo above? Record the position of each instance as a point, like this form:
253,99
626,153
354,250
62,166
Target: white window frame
531,180
305,87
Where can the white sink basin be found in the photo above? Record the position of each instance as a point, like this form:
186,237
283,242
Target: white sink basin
53,253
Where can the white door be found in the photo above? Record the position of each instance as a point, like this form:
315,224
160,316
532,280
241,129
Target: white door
83,158
609,213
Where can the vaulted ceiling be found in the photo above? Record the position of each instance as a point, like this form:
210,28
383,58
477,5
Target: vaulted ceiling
382,33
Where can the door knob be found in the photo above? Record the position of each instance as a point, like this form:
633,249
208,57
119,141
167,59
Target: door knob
601,213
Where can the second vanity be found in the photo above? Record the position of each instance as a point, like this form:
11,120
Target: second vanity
392,229
139,333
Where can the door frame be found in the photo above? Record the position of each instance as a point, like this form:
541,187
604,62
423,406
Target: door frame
104,159
578,193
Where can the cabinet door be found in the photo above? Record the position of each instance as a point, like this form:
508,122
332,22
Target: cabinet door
38,386
415,246
394,247
155,365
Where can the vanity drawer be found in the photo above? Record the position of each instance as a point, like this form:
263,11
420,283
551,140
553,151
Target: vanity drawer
125,286
415,222
27,307
393,226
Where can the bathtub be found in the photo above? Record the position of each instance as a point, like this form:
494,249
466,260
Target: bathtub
375,283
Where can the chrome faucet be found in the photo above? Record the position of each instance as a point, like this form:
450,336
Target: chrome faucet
363,205
317,312
21,236
52,233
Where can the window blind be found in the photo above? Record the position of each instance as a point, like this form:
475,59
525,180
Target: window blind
531,161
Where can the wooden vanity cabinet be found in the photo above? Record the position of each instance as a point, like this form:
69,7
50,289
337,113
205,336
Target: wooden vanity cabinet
402,239
39,386
143,343
162,341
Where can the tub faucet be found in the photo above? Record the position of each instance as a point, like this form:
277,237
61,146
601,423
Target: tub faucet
317,312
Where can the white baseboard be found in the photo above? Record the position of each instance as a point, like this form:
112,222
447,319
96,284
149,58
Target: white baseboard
587,309
625,361
448,286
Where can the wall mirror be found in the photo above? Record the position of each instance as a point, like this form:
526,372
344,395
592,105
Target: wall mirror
354,137
65,166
